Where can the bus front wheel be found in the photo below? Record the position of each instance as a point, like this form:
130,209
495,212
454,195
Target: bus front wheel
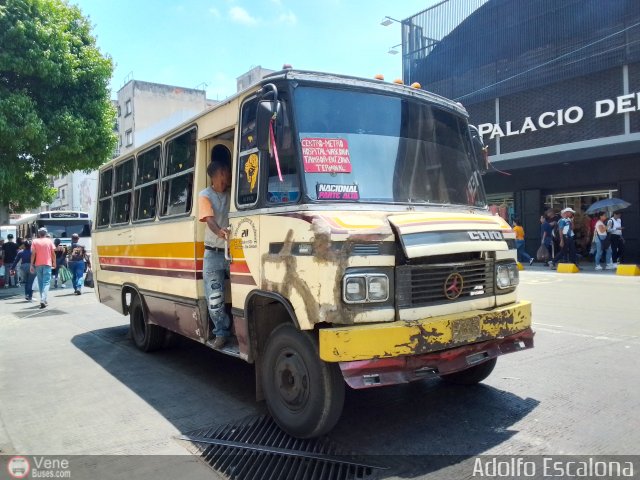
304,395
146,336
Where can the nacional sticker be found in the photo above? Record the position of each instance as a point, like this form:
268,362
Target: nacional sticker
326,155
328,191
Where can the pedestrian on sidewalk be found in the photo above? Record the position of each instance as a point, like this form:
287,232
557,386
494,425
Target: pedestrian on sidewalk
78,263
602,239
24,259
614,225
61,261
567,238
523,256
10,251
43,259
546,232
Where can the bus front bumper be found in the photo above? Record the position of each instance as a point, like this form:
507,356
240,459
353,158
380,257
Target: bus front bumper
408,350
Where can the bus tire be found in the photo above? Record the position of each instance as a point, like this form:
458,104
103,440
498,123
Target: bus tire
146,336
471,375
304,395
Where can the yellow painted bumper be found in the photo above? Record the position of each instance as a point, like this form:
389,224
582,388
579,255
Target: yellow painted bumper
386,340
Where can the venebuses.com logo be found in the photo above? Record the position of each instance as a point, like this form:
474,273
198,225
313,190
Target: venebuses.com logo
18,467
38,467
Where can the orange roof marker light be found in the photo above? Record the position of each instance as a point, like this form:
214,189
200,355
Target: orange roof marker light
379,76
416,85
398,81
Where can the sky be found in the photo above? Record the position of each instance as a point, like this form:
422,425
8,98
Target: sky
207,44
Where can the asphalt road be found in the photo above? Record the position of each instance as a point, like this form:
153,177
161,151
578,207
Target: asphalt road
71,383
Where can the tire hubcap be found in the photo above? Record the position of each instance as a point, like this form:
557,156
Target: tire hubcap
292,380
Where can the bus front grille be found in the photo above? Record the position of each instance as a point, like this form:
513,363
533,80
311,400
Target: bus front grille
424,285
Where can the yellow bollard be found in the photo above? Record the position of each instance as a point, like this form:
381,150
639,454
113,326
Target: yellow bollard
567,268
628,270
520,267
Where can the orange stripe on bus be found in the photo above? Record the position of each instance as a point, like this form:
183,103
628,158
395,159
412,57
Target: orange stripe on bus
162,250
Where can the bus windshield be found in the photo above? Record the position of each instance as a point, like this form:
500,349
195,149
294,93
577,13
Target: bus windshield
66,228
380,148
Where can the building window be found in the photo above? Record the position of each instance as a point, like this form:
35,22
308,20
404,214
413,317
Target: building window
120,140
127,108
62,193
119,111
129,135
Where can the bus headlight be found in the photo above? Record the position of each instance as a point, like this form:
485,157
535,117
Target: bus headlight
365,288
507,276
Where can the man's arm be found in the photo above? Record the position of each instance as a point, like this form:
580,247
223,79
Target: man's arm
215,228
53,256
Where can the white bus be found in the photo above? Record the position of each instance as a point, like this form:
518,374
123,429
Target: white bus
59,223
6,230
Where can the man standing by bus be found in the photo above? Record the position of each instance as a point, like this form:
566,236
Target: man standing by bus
213,203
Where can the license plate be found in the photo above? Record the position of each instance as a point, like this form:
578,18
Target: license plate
466,329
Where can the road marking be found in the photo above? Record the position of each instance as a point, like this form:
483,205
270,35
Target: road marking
595,336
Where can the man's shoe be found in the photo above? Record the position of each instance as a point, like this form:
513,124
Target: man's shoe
598,267
219,342
42,305
610,266
531,261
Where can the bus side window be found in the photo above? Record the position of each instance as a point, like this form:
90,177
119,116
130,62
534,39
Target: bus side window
122,192
286,190
104,198
177,181
248,174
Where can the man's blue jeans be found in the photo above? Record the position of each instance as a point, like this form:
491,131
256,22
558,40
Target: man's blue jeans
522,255
43,273
77,272
214,270
27,278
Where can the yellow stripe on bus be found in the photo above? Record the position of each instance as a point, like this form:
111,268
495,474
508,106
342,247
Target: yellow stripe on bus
154,250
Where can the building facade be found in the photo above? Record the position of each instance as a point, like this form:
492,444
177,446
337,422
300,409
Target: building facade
145,110
554,86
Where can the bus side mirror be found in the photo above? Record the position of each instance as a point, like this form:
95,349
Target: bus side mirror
480,150
266,110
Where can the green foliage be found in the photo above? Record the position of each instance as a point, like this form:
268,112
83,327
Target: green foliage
55,113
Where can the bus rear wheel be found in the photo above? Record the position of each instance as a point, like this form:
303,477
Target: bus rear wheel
146,336
304,395
471,375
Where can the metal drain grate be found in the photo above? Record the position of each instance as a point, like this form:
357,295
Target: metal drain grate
255,448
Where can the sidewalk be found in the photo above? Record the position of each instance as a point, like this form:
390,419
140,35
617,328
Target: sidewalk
18,292
585,267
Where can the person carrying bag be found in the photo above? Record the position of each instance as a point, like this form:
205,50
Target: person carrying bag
78,263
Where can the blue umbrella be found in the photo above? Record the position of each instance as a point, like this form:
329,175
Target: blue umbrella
607,204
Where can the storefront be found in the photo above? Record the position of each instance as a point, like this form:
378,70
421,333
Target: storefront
555,89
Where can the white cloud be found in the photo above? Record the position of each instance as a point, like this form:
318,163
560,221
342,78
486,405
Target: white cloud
288,18
240,15
277,2
214,11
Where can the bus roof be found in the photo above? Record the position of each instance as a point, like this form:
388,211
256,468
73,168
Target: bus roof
309,76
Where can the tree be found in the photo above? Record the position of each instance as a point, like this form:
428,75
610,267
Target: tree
56,115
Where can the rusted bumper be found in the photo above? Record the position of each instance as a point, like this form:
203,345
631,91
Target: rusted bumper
391,371
417,337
